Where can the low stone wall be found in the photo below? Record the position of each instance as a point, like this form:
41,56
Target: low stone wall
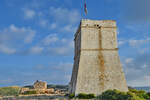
34,97
39,97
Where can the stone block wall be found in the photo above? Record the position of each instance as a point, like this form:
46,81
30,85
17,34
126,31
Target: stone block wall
97,66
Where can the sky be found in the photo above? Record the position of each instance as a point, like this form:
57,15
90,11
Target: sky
36,38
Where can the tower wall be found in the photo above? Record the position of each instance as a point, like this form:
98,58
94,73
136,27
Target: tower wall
97,66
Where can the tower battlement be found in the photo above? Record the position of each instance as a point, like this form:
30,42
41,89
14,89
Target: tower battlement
103,23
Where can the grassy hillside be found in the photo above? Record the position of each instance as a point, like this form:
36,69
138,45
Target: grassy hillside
9,91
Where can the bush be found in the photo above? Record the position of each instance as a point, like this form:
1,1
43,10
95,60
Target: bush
71,95
85,96
140,93
117,95
30,92
67,95
137,91
148,94
91,96
82,96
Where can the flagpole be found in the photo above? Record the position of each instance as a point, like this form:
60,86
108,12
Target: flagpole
82,13
85,8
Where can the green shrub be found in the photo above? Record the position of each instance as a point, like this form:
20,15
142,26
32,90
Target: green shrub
67,95
133,96
140,93
117,95
71,95
137,91
91,96
30,92
82,96
148,93
85,96
144,95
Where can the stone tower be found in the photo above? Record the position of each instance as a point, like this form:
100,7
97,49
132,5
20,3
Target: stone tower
97,66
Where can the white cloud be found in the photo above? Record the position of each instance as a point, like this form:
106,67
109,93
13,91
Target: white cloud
74,16
36,50
121,42
129,60
68,28
29,13
14,37
60,73
136,43
71,44
43,23
143,50
65,48
53,26
142,81
30,36
145,66
50,39
65,15
6,50
63,40
140,46
13,28
137,70
13,33
59,50
53,45
64,66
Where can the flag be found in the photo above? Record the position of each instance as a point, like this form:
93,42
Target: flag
85,8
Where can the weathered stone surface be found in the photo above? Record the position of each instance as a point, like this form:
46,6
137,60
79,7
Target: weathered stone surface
40,85
97,66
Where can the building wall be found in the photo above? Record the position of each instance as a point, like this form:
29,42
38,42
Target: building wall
97,65
77,42
40,85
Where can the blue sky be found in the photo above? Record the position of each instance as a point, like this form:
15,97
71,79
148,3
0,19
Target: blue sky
36,38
